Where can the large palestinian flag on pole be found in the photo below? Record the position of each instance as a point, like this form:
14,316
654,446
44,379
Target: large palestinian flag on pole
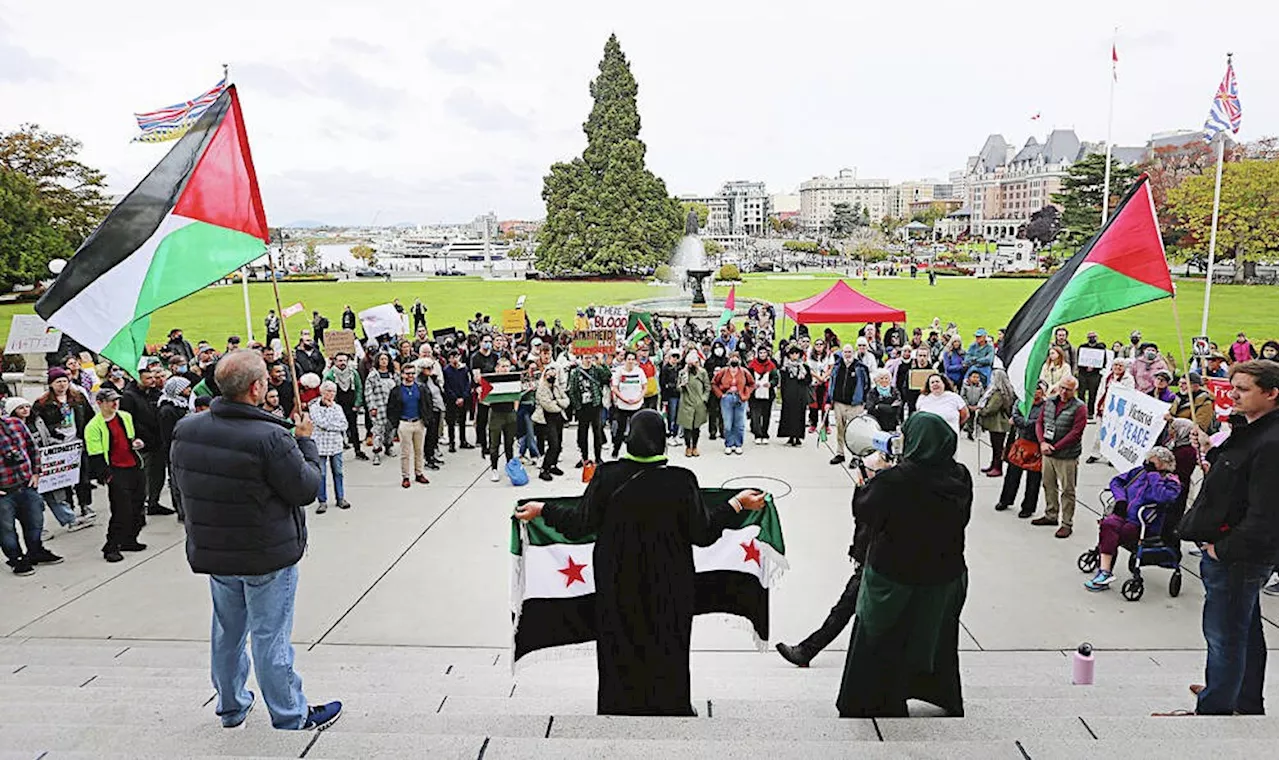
553,581
1121,266
193,220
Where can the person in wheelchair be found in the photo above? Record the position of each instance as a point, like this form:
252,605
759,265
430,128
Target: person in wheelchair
1151,485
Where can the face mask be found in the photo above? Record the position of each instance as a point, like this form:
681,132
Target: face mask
486,346
733,362
182,370
1150,354
1135,340
116,374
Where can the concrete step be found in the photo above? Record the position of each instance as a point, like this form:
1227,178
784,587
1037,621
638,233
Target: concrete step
744,746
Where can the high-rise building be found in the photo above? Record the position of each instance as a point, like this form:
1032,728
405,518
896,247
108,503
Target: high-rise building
819,196
749,206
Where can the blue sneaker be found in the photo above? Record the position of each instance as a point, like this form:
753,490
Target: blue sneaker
1100,582
320,717
237,722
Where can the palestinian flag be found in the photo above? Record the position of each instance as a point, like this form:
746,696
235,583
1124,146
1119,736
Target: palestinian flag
1121,266
500,388
194,219
730,304
553,585
639,333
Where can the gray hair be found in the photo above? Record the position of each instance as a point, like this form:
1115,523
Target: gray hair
237,371
1163,458
879,373
328,385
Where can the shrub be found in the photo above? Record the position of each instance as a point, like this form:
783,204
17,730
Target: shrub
806,246
1030,274
729,272
663,273
312,277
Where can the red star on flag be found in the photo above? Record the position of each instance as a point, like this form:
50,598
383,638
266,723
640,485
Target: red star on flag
572,573
750,550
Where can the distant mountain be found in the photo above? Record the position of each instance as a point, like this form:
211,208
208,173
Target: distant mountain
306,223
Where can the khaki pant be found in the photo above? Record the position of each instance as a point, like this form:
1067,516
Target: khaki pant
844,414
1059,478
413,436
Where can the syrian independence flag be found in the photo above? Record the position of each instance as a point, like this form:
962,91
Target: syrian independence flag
194,219
553,582
1121,266
500,388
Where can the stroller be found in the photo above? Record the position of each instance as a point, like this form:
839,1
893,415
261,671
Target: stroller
1159,551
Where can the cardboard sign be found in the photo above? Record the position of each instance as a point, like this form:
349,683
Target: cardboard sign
1200,345
1131,423
59,466
29,334
340,342
1220,387
383,320
512,321
611,318
1094,358
594,342
919,377
440,336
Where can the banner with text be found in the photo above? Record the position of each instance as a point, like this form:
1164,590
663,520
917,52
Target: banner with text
611,318
594,342
513,321
29,334
59,466
1131,423
1220,387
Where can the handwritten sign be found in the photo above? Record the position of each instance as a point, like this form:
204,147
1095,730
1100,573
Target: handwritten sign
512,321
340,342
59,466
1220,387
29,334
611,318
1093,358
919,377
1131,423
594,342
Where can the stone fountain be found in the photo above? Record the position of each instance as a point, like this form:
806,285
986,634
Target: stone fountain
692,270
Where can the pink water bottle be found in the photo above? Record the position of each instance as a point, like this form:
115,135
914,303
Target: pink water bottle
1082,665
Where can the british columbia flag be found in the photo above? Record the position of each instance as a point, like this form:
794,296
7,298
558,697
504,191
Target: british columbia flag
1224,114
173,121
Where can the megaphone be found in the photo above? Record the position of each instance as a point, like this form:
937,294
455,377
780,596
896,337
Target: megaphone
863,436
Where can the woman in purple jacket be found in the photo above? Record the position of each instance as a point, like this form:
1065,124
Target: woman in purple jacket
1151,484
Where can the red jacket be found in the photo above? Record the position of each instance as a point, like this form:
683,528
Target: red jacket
727,380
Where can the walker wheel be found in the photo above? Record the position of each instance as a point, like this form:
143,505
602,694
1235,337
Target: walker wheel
1088,562
1132,589
1175,584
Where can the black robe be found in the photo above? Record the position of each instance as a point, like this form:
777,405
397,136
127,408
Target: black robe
646,517
796,382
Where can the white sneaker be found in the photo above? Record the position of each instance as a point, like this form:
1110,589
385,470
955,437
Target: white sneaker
737,450
494,476
764,441
728,451
1273,585
377,457
45,535
80,523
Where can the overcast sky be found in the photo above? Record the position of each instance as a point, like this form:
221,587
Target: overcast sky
430,111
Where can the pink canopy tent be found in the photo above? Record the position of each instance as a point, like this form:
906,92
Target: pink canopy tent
841,303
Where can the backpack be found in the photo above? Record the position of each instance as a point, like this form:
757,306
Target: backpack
517,473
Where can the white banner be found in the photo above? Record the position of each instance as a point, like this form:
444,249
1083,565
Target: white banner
28,334
59,466
611,318
382,320
1094,358
1131,422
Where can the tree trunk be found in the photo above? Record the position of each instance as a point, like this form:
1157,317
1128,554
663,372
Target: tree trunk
1250,271
1239,267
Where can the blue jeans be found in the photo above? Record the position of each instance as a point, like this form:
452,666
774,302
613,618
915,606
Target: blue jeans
525,433
59,504
673,408
334,463
1237,659
25,506
734,413
260,606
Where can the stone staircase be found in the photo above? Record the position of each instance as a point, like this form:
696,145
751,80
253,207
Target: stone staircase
107,699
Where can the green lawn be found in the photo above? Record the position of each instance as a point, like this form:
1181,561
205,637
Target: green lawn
215,313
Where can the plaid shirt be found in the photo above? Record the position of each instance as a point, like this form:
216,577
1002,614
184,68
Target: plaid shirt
330,427
16,439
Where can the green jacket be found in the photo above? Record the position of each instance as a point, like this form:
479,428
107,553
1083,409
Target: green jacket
695,387
356,383
97,441
994,417
586,387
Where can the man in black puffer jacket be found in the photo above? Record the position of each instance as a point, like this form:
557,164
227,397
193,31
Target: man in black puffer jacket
245,480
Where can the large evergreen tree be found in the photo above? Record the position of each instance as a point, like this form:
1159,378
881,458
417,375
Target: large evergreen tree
1081,196
607,213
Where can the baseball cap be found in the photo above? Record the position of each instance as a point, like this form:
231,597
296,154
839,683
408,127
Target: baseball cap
108,394
981,332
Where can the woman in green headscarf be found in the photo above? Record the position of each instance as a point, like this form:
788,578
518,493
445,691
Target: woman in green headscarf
906,633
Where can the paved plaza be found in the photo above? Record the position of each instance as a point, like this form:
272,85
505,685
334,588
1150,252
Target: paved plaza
410,587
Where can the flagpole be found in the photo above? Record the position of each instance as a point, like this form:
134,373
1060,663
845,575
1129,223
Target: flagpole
1213,233
248,316
284,335
1111,107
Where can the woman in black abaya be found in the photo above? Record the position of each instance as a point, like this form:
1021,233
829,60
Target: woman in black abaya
647,517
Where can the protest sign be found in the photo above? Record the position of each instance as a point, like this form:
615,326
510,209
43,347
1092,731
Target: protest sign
594,342
292,309
383,320
1131,423
440,336
59,466
28,334
513,321
611,318
1220,387
919,377
1094,358
340,342
1200,345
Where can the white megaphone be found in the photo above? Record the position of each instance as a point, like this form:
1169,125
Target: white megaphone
863,437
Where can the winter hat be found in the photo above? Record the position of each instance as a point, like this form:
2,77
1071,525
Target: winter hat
57,372
647,438
309,380
13,403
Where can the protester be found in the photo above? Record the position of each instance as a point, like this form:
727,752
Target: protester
882,402
920,360
457,401
1241,350
483,362
526,435
1090,377
113,449
174,404
733,386
993,412
278,381
971,393
1027,440
905,640
943,401
1060,430
645,516
1055,367
1161,391
797,384
1234,521
551,402
953,360
980,356
408,405
1151,484
627,387
1145,366
1182,437
20,504
349,395
668,387
501,417
377,388
66,411
847,391
330,421
821,365
1119,377
695,389
272,324
1192,402
140,400
59,499
248,538
587,382
717,359
430,382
